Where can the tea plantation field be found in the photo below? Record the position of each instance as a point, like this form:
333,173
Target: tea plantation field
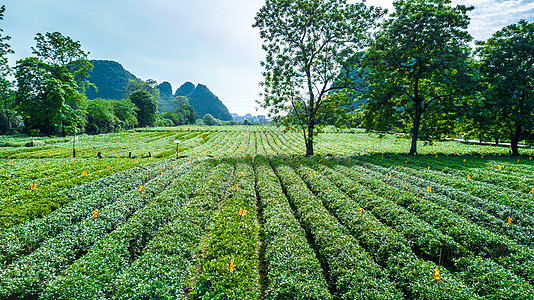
238,213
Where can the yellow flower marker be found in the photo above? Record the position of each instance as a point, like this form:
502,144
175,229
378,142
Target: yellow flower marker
499,167
437,275
150,158
243,174
84,173
468,177
429,188
33,186
530,158
10,162
436,156
95,213
313,173
361,211
236,186
141,188
390,175
39,164
532,190
428,167
162,173
464,159
109,167
482,156
136,161
173,166
510,220
232,266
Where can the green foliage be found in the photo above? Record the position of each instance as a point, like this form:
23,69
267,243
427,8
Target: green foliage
507,65
185,113
232,237
147,107
137,84
47,95
10,121
59,50
418,66
101,116
210,120
306,44
126,112
5,70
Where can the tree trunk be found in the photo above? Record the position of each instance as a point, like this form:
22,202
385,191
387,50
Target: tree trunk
416,125
515,140
309,140
514,143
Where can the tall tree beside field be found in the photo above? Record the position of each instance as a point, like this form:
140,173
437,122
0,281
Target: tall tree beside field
48,95
147,107
507,65
418,66
6,94
307,43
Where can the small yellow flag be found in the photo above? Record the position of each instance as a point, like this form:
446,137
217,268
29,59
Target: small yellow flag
482,156
84,173
437,275
509,220
464,159
236,186
532,190
33,186
232,266
468,177
429,188
141,188
242,212
162,173
150,158
109,167
499,167
436,156
173,166
39,164
10,162
313,173
243,174
95,213
361,211
136,161
301,165
390,175
429,167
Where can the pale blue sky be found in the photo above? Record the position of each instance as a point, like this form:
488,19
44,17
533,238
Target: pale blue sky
202,41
